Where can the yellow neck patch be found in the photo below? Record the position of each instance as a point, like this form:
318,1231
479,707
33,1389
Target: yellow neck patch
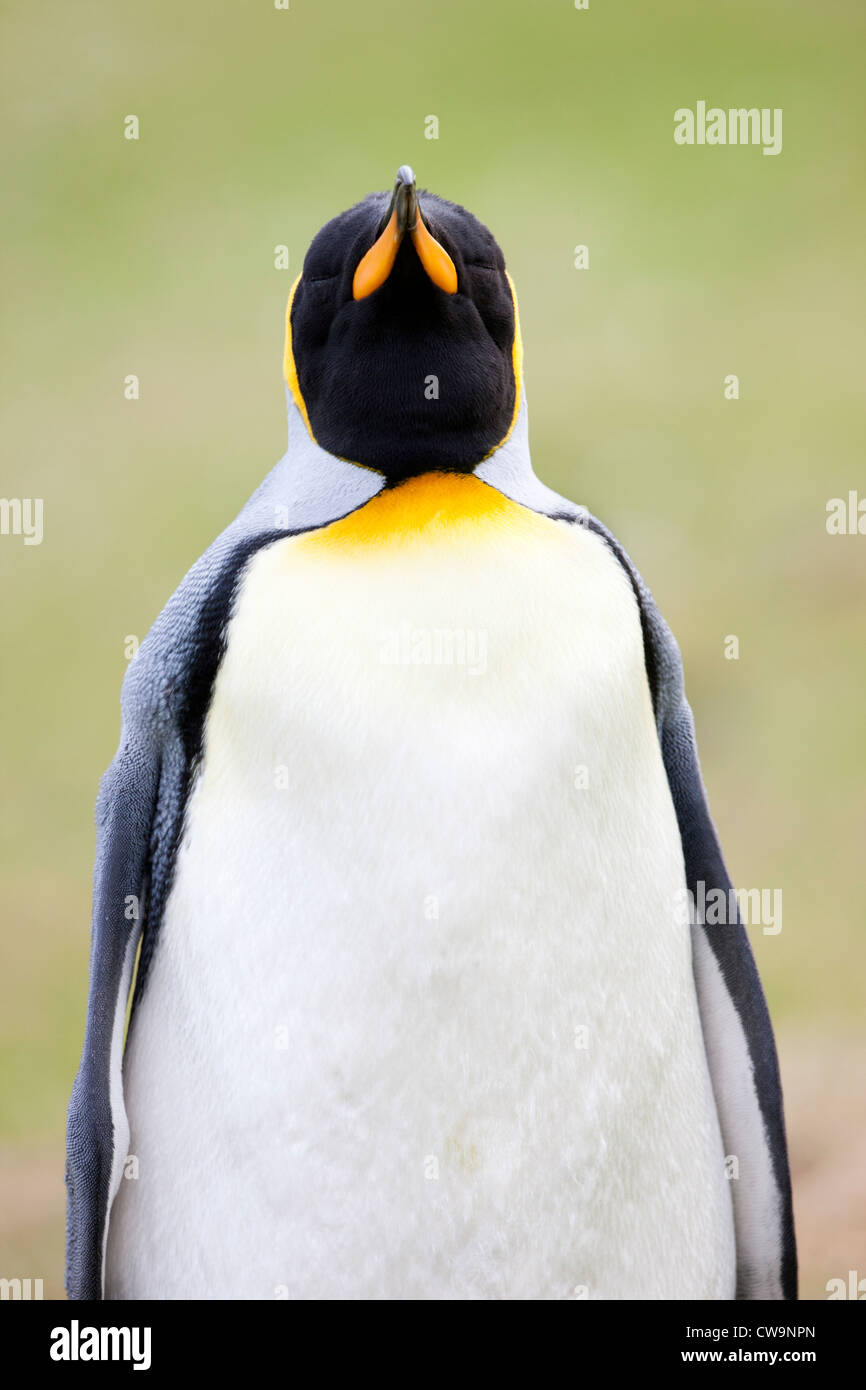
434,508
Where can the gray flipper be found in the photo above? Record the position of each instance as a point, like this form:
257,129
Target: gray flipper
140,813
737,1032
97,1135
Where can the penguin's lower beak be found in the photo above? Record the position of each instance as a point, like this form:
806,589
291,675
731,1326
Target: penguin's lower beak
403,215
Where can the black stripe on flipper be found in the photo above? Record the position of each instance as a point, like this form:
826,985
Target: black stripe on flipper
732,950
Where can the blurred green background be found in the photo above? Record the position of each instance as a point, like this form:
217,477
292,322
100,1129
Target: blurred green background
156,257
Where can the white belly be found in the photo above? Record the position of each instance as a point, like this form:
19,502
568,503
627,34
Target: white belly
421,1022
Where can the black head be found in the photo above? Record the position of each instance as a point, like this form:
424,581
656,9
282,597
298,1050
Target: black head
408,362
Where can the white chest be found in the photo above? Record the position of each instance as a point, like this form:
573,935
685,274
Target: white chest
422,1022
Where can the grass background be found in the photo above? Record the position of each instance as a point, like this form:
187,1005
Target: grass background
156,257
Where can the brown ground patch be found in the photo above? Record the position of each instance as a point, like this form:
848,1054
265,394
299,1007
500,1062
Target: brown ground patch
826,1110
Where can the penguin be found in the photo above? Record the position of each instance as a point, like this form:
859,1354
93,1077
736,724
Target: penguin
398,862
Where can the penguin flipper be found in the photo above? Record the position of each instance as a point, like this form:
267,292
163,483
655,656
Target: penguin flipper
738,1035
97,1130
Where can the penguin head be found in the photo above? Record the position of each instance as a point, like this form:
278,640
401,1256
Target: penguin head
402,336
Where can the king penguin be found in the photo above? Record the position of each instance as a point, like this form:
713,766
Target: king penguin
398,859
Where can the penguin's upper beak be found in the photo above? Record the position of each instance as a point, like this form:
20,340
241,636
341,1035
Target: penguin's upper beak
403,215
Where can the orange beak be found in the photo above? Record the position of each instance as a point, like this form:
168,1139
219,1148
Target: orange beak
404,216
